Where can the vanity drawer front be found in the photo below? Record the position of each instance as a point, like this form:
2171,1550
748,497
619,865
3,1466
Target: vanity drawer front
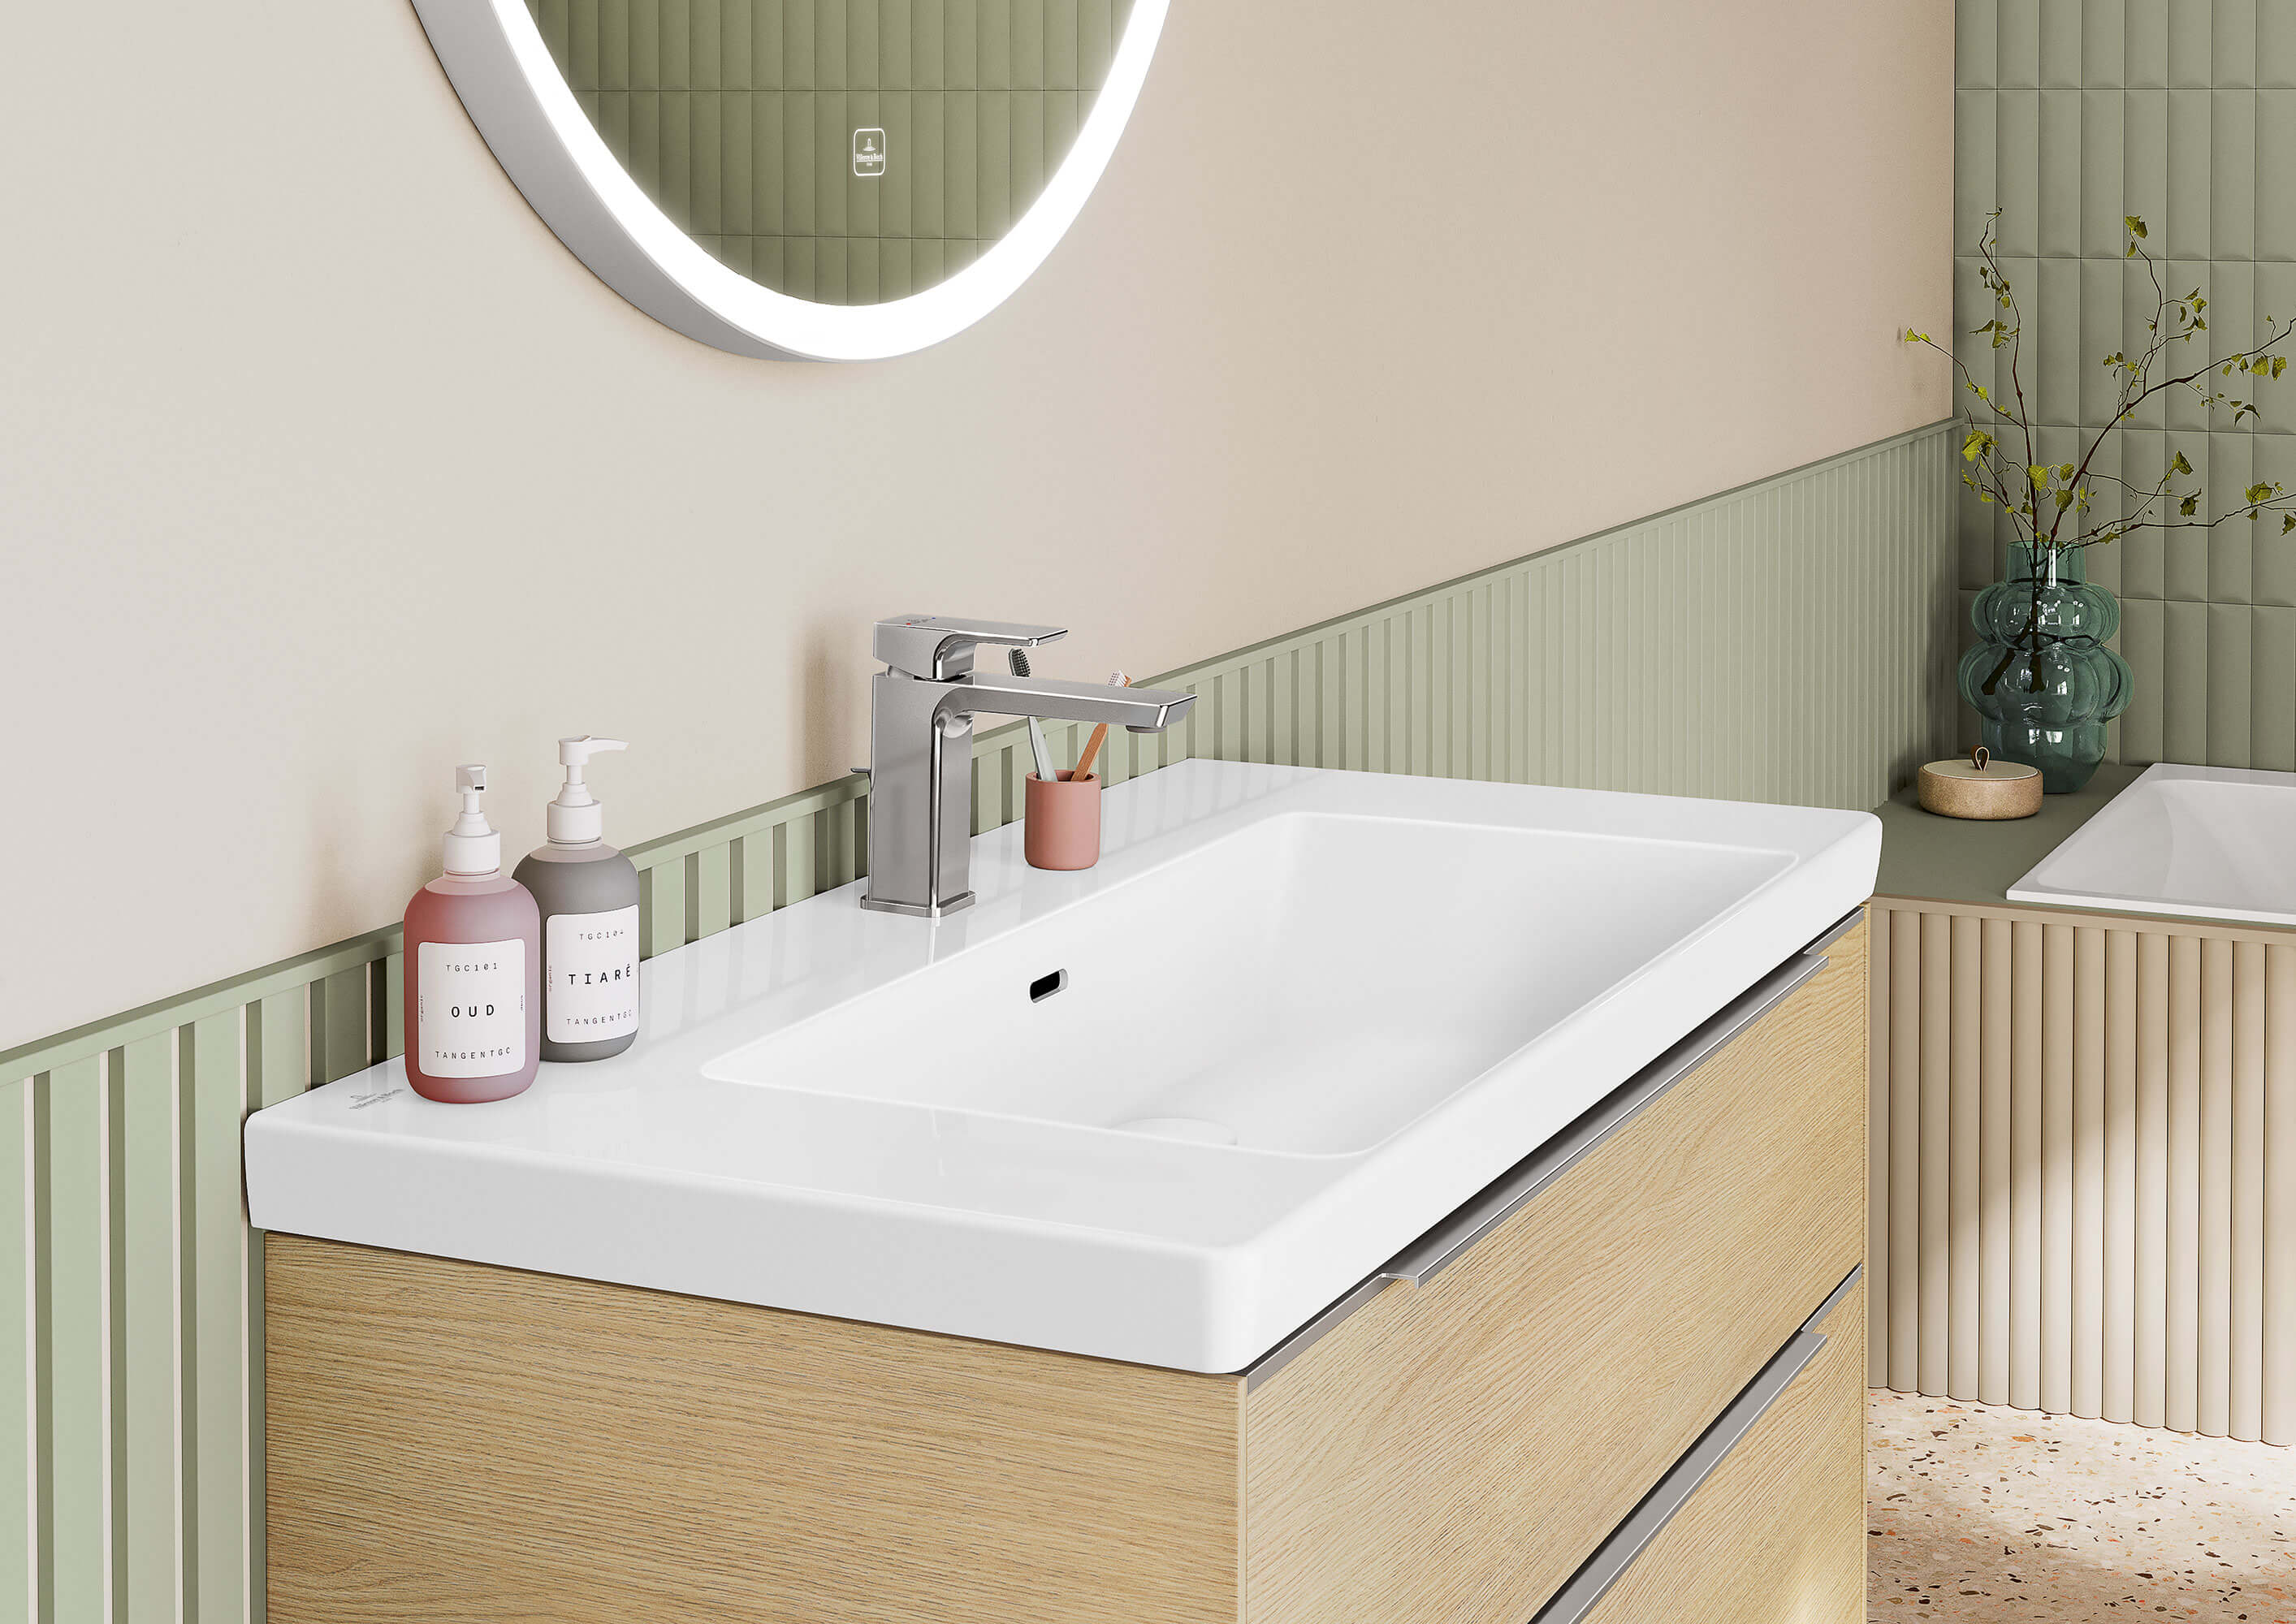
1778,1531
1452,1451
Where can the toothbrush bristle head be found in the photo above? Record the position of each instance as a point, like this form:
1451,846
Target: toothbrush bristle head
1117,679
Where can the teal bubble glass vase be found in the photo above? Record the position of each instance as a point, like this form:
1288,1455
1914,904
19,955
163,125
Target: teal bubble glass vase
2040,676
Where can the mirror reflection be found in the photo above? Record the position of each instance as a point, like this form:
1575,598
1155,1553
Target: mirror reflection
843,151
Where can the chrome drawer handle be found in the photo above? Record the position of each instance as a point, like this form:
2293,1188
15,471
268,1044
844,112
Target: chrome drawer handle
1612,1558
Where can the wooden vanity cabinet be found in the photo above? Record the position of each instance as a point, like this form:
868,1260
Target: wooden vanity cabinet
1778,1532
1455,1451
447,1441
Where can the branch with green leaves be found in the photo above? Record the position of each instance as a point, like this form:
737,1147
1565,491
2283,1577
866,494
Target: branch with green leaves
2056,507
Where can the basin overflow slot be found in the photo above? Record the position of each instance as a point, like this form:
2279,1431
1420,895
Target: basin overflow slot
1045,985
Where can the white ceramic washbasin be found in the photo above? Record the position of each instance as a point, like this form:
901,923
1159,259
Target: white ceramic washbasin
2209,841
1164,1111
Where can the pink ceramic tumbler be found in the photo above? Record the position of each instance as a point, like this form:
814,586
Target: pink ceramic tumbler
1063,822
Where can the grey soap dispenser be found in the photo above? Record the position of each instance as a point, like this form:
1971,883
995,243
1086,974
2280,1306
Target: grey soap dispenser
589,894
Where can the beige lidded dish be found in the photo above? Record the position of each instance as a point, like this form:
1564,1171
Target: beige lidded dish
1980,788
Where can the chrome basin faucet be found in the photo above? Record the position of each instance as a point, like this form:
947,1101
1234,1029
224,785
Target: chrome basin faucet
921,711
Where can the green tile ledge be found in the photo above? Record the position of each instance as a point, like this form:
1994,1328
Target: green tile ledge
1929,858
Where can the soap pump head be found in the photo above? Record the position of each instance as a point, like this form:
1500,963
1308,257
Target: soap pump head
574,818
473,846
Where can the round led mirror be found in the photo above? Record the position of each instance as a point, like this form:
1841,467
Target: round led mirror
828,179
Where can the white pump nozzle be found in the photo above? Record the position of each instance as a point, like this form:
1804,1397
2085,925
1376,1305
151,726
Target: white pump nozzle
575,818
471,846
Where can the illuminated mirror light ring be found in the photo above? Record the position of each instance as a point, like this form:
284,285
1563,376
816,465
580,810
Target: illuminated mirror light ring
495,56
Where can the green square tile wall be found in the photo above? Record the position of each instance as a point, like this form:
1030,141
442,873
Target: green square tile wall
738,118
2069,115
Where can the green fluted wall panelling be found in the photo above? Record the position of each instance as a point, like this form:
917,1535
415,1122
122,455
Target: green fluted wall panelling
1787,642
1790,641
19,1446
2069,115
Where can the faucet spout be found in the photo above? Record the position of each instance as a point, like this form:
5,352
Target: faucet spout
1140,710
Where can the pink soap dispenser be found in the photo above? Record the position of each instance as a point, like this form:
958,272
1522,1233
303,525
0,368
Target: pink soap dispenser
473,968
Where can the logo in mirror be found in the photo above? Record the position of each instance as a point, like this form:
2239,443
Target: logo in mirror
868,151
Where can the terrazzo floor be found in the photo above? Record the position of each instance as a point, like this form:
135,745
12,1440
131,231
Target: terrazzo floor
1981,1516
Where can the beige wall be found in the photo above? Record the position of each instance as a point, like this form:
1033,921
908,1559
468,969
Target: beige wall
322,467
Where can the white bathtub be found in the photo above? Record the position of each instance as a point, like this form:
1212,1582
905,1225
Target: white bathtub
2213,840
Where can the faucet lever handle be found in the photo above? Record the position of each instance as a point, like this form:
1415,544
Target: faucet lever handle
937,647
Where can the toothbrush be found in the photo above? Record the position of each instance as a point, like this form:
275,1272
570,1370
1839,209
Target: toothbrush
1116,679
1019,660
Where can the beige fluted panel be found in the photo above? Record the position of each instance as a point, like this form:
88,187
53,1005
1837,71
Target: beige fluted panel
2120,1219
2147,1378
2027,1014
2279,1399
2212,1317
2085,1223
2245,1402
1996,1046
1937,1140
2106,1110
1965,1190
2055,1360
1905,1151
2181,1314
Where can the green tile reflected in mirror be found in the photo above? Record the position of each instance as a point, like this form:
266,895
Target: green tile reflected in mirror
845,152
